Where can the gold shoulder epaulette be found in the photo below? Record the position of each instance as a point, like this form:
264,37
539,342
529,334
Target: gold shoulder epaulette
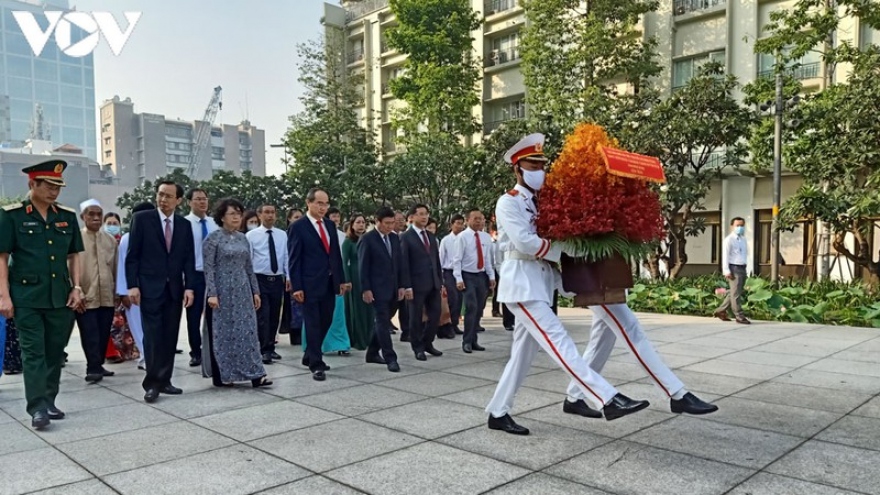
513,192
66,208
13,206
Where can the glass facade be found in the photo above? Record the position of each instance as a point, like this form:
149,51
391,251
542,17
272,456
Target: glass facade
63,86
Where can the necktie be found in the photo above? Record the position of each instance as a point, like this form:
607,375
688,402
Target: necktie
323,236
425,241
479,251
168,234
273,255
387,244
204,223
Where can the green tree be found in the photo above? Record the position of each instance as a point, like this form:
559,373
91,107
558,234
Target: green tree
441,73
328,145
575,52
697,133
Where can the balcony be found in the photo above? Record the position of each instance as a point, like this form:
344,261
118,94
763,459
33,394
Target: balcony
489,127
681,7
501,57
355,55
358,9
496,6
801,72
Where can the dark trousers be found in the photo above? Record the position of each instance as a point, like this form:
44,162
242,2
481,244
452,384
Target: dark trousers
194,316
269,314
507,318
476,293
421,334
317,316
496,306
453,297
94,332
43,335
161,321
382,332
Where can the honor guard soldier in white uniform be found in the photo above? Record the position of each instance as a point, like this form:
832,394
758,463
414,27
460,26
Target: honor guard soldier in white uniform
528,292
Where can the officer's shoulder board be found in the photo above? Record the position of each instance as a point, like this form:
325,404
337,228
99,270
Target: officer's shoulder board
513,192
13,206
65,208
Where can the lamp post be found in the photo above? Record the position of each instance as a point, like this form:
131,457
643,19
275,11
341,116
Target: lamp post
286,164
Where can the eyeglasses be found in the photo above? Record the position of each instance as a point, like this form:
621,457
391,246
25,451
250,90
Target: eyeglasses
162,195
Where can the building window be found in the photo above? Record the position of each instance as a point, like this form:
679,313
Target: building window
218,153
107,141
108,153
496,6
685,70
681,7
498,114
356,51
504,49
807,67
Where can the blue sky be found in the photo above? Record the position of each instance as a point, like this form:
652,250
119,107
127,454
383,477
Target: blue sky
181,49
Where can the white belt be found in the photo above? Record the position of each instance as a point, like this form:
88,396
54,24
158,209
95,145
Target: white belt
516,255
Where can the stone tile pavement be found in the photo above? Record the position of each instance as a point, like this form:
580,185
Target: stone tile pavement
800,414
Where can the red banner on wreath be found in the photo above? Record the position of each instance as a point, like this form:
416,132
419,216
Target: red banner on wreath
633,165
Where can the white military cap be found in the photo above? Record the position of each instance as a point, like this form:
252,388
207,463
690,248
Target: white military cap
531,147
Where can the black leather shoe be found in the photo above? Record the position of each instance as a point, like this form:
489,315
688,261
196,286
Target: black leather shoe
404,338
55,413
178,351
421,356
507,424
496,314
433,351
393,367
481,329
458,331
375,360
267,359
477,347
193,362
170,390
580,408
467,348
318,375
509,329
106,372
690,404
40,420
622,405
94,377
151,395
276,356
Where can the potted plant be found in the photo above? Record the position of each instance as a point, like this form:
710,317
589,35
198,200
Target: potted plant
598,200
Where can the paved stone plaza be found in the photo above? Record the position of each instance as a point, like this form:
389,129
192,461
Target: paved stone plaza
800,414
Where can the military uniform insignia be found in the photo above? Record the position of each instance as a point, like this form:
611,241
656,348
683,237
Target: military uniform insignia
29,209
61,224
13,206
513,192
59,168
65,208
30,224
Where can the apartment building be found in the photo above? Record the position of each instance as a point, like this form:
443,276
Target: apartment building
143,146
689,33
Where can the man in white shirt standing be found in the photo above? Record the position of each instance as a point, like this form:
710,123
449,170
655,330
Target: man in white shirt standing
269,257
456,225
132,311
734,255
472,267
202,225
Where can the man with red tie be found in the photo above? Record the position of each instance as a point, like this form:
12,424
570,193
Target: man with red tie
316,275
473,267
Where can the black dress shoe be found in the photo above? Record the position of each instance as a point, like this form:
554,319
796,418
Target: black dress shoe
622,405
40,420
421,356
507,424
318,375
178,351
509,329
467,348
580,408
170,390
433,351
267,359
404,338
151,395
106,372
94,377
55,413
690,404
496,314
393,367
142,367
276,356
458,331
375,360
481,329
477,347
193,362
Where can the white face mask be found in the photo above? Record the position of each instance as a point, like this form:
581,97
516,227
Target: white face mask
252,226
533,178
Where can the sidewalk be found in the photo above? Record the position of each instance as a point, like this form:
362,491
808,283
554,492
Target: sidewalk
800,414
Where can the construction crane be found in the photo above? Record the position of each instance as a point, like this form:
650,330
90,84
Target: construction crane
203,133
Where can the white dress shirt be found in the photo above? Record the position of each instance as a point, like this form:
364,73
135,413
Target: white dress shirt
259,241
464,257
446,248
121,281
314,221
735,252
341,236
197,237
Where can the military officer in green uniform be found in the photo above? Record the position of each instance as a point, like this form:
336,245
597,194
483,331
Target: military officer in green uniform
39,283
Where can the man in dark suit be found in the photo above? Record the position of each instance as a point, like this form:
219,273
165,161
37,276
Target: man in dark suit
382,283
160,271
316,275
422,277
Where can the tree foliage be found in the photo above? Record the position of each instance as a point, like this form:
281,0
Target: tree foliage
441,73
